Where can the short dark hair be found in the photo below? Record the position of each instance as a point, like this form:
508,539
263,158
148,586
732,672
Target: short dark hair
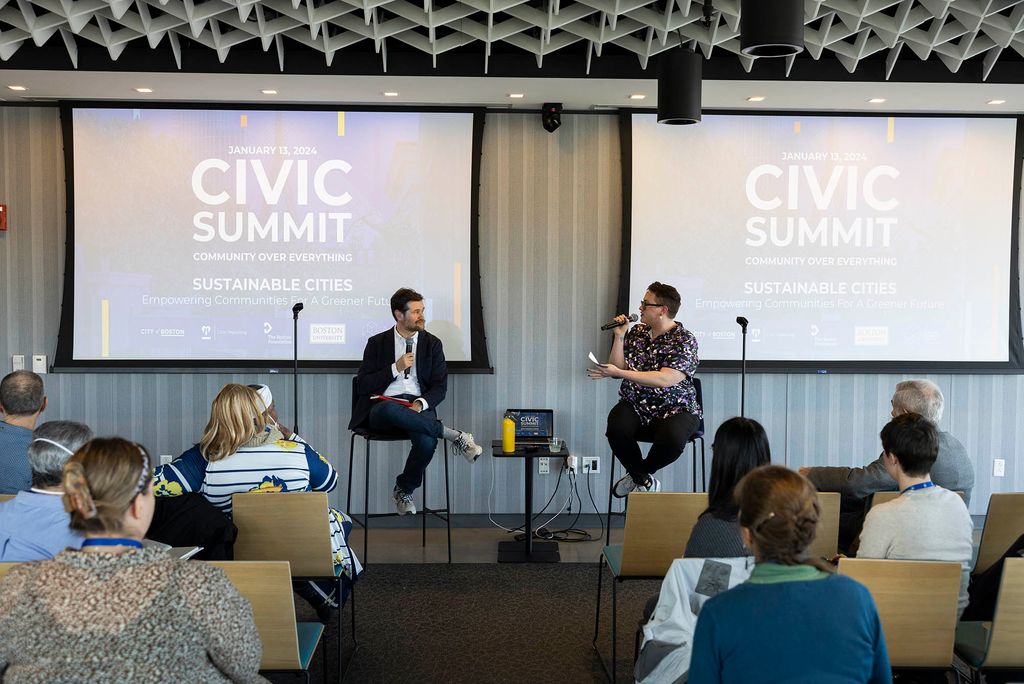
21,393
740,446
914,441
667,296
400,300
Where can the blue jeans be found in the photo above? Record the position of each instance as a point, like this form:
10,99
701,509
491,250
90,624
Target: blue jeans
423,429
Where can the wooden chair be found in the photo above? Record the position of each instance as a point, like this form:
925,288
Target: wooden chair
1004,522
291,527
267,585
826,540
6,497
996,648
658,526
917,604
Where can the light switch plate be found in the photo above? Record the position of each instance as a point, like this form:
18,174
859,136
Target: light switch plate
39,363
17,362
999,467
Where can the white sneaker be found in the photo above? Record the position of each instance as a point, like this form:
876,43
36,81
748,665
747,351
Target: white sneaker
403,502
624,486
469,449
653,485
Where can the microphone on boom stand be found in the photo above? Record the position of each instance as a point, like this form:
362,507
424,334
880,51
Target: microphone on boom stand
295,369
743,368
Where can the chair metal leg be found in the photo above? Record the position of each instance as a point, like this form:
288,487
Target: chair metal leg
423,514
366,506
447,503
615,621
703,473
693,465
597,613
351,456
608,517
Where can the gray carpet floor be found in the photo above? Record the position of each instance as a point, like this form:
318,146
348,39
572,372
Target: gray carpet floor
481,623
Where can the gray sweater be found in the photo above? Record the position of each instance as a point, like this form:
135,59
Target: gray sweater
925,524
953,470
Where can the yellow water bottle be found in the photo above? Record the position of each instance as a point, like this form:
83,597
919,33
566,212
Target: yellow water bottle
508,434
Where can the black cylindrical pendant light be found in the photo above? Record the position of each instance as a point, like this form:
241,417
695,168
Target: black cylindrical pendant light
771,28
679,87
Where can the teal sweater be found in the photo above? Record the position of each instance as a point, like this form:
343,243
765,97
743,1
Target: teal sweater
790,624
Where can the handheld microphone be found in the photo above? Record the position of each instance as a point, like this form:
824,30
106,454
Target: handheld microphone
742,321
616,324
408,350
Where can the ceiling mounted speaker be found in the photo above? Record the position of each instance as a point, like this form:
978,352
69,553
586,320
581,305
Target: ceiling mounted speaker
771,28
679,87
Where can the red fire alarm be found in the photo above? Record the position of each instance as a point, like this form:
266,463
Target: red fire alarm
3,217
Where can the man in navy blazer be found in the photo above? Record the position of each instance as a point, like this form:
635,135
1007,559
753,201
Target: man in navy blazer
406,365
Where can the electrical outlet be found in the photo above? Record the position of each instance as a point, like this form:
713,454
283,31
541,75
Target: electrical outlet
165,459
17,362
39,364
543,465
999,467
591,465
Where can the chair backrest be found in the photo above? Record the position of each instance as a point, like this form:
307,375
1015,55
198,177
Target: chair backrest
885,497
917,603
290,526
826,539
658,525
267,585
1004,522
700,402
1006,648
6,497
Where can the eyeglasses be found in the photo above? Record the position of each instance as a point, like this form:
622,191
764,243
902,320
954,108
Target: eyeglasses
644,304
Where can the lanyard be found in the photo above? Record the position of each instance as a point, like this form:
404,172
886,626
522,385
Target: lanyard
112,541
919,485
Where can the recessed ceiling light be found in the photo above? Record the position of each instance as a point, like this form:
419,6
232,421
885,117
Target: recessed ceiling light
876,100
755,98
517,96
389,93
996,102
637,96
18,88
143,90
269,91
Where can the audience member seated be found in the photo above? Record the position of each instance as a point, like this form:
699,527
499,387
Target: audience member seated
21,400
740,446
953,470
807,624
116,611
268,400
926,522
243,450
34,524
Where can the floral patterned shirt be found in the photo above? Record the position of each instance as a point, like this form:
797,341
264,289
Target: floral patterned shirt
676,349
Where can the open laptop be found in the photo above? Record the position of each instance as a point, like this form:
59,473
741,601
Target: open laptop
533,426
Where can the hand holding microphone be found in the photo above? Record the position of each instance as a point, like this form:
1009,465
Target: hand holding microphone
408,353
619,321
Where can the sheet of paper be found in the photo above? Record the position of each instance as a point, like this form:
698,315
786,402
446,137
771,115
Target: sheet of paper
593,359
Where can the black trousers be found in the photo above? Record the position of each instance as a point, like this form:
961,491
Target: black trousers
667,435
984,587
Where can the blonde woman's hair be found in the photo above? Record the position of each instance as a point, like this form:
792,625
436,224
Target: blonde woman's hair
236,416
101,480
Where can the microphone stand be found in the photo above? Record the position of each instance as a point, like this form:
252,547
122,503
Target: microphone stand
743,368
295,369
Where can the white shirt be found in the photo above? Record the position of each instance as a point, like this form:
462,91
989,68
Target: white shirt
401,384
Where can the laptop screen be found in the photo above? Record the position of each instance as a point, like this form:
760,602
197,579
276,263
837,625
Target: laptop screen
534,424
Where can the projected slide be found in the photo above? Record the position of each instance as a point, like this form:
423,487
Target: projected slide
839,238
195,231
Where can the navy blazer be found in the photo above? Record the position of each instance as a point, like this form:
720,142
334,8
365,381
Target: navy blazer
374,374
